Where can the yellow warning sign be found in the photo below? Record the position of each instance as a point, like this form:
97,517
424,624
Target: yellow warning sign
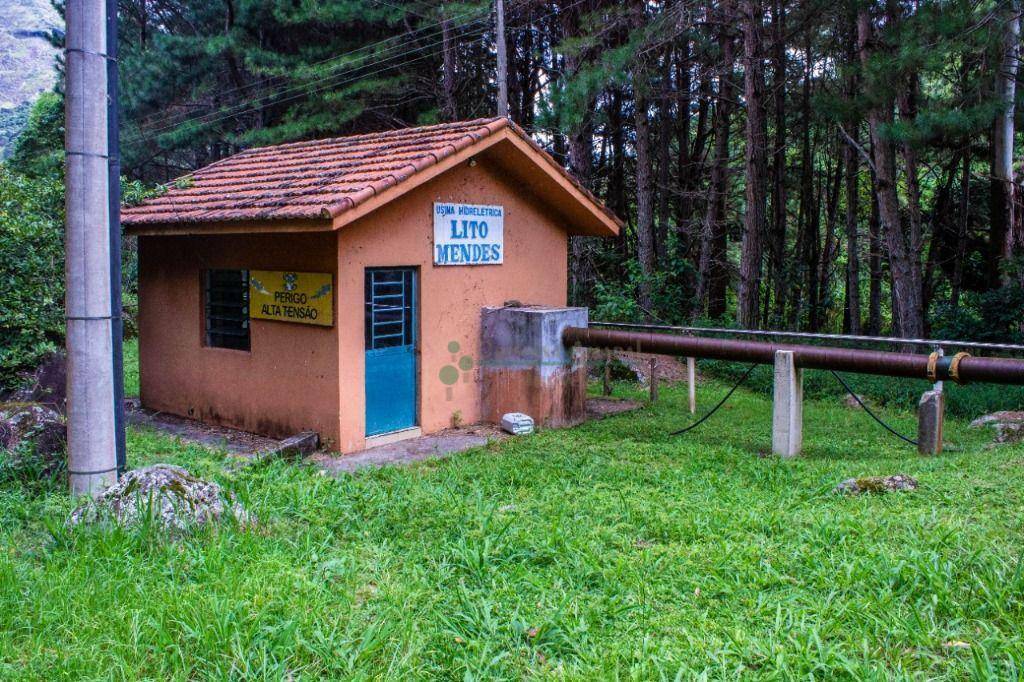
302,297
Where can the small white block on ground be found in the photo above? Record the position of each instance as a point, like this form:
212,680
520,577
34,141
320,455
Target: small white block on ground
517,423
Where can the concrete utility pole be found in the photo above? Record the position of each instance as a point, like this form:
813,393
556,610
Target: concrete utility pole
499,18
114,222
92,433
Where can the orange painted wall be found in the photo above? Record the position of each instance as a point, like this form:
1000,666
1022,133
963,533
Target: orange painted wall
299,376
286,383
401,234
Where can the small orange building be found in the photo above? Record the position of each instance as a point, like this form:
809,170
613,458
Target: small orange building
337,285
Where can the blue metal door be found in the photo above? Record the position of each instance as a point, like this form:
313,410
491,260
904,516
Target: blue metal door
390,349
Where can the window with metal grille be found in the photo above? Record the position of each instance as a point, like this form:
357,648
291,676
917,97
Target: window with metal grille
227,309
389,308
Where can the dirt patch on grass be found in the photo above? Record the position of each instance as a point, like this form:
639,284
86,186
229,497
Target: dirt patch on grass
606,406
667,368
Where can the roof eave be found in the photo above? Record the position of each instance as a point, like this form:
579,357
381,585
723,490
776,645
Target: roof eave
374,200
138,229
594,219
581,212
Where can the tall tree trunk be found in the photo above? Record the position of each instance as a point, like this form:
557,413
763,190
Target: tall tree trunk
778,171
645,239
616,187
829,251
1000,189
684,84
813,261
644,204
691,154
579,155
907,100
712,277
906,278
664,143
956,285
692,165
582,249
807,207
874,265
852,315
751,250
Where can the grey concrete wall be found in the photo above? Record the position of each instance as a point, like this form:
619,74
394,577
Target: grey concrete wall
525,367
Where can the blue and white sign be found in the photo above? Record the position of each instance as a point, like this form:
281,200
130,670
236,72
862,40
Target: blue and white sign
469,234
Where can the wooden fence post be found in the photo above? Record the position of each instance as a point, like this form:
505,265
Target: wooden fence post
606,388
654,380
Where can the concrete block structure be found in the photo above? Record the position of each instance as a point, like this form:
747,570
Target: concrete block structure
525,366
336,286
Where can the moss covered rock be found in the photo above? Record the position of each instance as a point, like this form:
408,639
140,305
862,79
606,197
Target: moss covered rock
164,494
39,425
1007,425
877,484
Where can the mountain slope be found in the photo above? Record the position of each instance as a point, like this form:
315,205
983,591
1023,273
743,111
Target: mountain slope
27,61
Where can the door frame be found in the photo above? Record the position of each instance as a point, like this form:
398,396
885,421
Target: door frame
416,346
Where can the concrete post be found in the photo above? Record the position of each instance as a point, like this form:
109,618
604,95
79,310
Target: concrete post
691,383
114,221
938,384
90,383
787,406
525,366
930,415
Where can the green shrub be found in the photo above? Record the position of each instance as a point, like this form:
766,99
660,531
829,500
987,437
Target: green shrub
38,151
32,470
993,316
32,243
31,270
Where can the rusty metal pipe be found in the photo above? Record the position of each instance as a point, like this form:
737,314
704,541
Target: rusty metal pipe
908,365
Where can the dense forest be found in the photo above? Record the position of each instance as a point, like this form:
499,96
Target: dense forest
847,165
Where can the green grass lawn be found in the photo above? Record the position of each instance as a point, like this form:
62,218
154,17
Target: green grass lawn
607,551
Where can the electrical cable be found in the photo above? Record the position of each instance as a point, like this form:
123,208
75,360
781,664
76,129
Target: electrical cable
345,77
707,415
328,81
870,413
325,63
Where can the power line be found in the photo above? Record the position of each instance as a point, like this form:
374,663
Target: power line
165,124
434,30
298,90
328,81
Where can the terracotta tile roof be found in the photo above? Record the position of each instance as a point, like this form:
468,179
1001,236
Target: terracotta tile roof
319,179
